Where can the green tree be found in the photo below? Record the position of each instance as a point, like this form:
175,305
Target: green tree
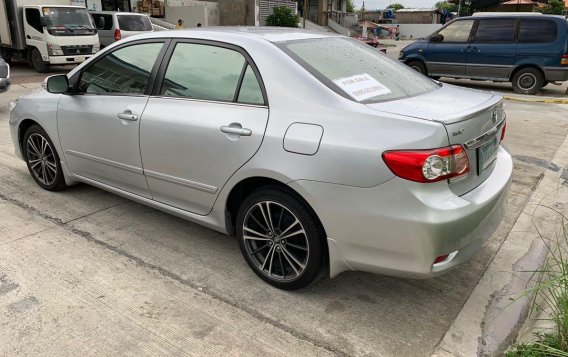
553,7
396,6
282,16
444,5
350,7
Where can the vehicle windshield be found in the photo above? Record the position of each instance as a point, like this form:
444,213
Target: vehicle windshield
134,23
357,71
68,18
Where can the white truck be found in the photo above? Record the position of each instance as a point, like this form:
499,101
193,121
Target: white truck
45,35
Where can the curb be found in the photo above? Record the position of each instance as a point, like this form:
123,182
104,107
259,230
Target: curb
548,100
490,320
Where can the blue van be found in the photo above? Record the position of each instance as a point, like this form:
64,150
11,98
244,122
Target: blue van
528,49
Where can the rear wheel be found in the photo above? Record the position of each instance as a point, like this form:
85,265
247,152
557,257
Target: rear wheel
280,239
42,159
37,61
528,81
418,66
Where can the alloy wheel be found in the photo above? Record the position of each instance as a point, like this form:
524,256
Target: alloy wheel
41,159
276,241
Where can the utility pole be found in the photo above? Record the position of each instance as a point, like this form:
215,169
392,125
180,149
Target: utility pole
305,12
459,7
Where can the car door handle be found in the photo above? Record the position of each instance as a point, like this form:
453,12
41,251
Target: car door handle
236,130
127,116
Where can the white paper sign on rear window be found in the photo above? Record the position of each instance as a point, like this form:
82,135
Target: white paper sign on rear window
361,86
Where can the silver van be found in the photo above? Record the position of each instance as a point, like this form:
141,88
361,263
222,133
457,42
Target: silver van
114,26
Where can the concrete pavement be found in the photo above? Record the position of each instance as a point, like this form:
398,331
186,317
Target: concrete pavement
87,272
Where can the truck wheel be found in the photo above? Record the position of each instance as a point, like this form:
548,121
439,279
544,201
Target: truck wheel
528,81
37,62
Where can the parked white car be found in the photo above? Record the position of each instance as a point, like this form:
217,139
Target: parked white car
114,26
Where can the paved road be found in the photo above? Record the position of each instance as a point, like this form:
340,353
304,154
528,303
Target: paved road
87,272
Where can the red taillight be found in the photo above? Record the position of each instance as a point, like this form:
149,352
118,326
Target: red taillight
503,131
117,35
441,258
564,60
428,165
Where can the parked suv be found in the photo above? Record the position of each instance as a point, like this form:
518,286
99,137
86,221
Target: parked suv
4,75
114,26
528,49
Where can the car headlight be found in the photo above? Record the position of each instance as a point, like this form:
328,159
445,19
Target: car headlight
54,50
96,47
400,55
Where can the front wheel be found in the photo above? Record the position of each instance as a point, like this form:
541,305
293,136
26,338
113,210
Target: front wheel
37,61
528,81
418,67
280,239
42,159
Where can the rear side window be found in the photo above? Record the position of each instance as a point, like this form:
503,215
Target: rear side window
495,31
33,19
537,31
134,23
102,22
203,72
124,71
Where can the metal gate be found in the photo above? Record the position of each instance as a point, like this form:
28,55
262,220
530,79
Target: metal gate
266,7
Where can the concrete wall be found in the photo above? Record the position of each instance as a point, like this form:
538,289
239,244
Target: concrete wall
417,30
238,12
338,28
425,17
192,12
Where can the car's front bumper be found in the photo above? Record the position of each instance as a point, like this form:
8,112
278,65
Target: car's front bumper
400,227
62,60
559,74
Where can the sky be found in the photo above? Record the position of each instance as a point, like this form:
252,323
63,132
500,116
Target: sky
383,4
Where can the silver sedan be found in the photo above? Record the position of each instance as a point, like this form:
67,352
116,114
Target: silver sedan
319,153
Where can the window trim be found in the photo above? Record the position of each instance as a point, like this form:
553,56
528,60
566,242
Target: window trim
76,79
160,75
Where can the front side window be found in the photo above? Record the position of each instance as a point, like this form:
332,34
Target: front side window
203,72
134,23
33,19
537,31
124,71
495,31
457,31
357,71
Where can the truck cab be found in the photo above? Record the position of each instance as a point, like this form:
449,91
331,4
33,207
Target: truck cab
58,35
45,35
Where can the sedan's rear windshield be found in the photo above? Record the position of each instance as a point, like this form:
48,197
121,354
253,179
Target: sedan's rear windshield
134,23
357,71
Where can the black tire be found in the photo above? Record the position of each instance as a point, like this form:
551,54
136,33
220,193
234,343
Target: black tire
37,62
418,66
285,253
43,161
528,81
435,77
545,83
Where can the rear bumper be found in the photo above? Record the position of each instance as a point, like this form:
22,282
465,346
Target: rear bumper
400,227
62,60
556,73
4,84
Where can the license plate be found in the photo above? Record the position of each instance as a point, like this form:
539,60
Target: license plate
487,154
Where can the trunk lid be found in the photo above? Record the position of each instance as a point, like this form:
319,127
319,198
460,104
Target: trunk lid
472,118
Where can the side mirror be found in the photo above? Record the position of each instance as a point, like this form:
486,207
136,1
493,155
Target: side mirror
437,38
42,22
58,84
